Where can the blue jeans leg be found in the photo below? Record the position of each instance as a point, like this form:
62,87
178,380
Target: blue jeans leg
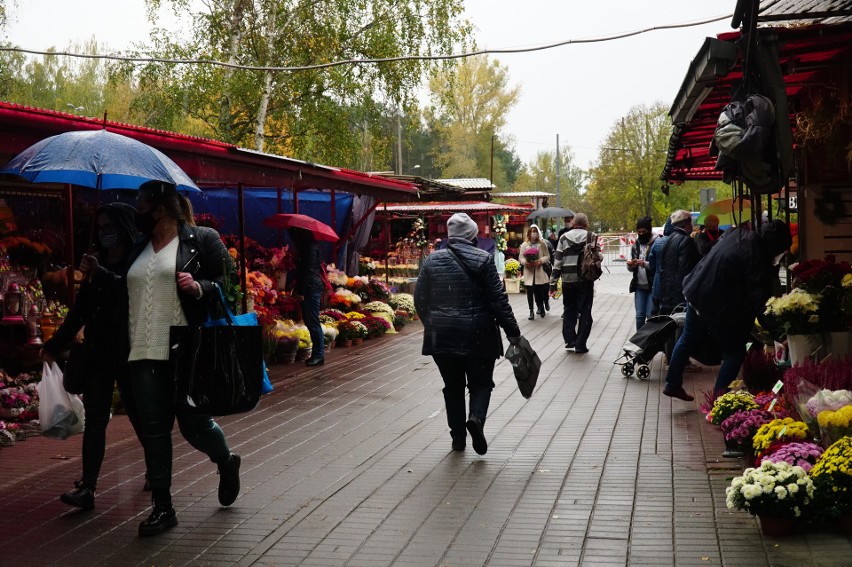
644,306
694,330
732,344
310,315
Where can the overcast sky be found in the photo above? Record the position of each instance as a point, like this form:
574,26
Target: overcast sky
576,91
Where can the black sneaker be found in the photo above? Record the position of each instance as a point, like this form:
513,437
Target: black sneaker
581,350
459,444
569,346
82,497
162,518
474,427
229,480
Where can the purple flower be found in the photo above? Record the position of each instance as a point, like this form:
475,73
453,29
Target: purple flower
803,454
742,425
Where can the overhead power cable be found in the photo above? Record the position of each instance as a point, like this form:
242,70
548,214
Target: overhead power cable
213,62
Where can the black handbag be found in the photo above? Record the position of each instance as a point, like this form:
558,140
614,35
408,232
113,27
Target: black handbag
218,366
80,361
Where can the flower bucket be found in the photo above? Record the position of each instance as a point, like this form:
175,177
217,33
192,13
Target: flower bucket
303,354
838,344
777,526
803,346
346,343
733,449
357,341
513,285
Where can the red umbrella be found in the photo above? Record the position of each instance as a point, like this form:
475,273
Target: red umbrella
320,230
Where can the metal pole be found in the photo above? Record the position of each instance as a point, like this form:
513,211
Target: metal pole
491,178
399,143
69,242
280,210
558,192
242,229
387,253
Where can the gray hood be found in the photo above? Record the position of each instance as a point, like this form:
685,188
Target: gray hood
576,236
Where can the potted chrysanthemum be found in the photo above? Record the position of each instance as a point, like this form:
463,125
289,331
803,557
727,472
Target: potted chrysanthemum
775,492
832,476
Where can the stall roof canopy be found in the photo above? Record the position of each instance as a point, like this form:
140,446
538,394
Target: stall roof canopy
454,207
523,195
208,162
804,53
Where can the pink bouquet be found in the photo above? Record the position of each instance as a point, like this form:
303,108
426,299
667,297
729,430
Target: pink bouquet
532,254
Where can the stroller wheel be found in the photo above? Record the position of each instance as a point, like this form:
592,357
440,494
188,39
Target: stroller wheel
643,372
627,369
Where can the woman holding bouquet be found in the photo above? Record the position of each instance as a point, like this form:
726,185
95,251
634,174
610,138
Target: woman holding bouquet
533,257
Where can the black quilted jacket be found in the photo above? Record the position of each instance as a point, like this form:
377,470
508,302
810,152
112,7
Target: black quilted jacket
459,315
677,258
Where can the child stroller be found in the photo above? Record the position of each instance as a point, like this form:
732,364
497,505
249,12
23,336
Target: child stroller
646,343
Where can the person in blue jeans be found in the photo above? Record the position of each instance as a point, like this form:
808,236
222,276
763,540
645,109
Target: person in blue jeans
310,284
725,292
640,285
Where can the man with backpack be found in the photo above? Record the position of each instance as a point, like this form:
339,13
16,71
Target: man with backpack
578,263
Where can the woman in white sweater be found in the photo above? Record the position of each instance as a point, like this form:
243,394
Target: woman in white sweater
171,277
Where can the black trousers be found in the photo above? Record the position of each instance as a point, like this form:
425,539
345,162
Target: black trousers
537,293
577,299
478,375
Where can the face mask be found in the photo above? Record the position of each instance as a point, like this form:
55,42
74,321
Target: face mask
644,238
145,222
108,240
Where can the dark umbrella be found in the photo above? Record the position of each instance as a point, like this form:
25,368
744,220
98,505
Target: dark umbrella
97,159
550,213
320,230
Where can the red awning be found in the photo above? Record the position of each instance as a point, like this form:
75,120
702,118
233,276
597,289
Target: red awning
208,162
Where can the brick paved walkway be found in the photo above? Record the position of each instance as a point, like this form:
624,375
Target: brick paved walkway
351,465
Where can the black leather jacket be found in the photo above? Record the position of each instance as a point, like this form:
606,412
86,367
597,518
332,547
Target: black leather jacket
309,268
202,253
459,315
101,308
677,258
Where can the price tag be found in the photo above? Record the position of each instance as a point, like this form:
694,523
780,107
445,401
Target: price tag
772,405
782,432
777,387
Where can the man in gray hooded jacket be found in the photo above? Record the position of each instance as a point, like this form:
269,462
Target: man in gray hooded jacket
577,294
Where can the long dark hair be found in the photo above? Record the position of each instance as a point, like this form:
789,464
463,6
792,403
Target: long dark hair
122,215
176,205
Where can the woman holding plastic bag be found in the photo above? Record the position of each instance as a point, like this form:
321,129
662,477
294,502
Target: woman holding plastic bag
101,359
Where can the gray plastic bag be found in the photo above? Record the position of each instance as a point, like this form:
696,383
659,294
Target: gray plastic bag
525,364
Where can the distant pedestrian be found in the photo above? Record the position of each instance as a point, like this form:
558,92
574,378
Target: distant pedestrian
640,285
653,258
568,224
726,291
459,296
533,257
577,294
709,236
676,259
310,284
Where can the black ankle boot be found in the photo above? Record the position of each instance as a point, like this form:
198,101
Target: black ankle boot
82,497
229,480
532,315
161,519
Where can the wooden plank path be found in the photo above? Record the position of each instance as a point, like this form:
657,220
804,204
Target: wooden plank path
350,465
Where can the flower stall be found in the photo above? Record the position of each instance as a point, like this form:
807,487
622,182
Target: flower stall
813,317
796,445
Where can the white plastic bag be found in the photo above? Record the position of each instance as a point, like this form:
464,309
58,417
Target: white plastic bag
61,414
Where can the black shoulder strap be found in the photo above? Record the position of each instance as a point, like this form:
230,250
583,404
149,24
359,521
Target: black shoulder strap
468,272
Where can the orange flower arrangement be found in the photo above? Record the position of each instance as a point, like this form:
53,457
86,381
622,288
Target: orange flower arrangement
25,252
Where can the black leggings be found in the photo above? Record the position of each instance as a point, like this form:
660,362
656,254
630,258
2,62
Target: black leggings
539,293
97,401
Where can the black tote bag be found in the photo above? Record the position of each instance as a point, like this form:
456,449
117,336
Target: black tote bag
218,367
